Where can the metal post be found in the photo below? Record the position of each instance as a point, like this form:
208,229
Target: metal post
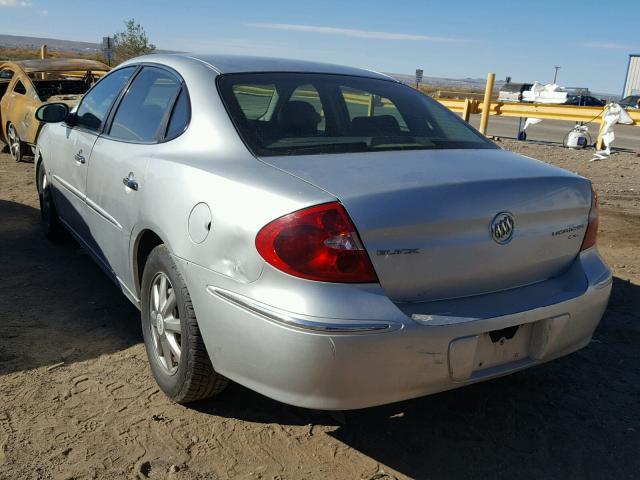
372,105
555,75
43,55
519,128
486,104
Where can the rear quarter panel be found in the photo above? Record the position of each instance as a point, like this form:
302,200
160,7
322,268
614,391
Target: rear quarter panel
209,164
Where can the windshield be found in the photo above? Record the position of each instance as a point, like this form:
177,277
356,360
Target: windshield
307,113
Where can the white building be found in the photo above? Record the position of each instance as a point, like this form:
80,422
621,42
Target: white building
632,80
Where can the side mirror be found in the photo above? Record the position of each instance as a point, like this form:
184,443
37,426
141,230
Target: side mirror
53,112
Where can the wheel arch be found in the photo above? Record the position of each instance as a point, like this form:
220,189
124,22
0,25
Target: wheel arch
146,240
38,164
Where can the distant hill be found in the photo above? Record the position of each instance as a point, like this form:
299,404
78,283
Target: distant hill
444,83
54,44
16,41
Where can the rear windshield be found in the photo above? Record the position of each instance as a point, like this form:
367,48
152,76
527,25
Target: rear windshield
300,113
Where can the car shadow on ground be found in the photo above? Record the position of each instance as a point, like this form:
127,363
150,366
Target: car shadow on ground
55,303
576,417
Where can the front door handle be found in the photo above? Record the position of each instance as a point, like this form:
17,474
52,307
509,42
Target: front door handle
79,157
130,182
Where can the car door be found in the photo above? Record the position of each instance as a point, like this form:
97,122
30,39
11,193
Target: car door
6,86
67,163
14,104
119,161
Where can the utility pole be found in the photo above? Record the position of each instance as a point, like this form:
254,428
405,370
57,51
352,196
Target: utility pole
555,76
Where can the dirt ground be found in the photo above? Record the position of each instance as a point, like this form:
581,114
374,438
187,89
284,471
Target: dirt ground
77,400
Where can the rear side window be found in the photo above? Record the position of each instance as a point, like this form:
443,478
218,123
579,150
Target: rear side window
95,105
180,116
145,105
6,74
323,113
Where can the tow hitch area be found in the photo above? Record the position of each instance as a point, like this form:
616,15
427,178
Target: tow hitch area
503,334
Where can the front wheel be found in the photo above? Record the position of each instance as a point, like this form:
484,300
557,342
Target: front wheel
16,146
177,355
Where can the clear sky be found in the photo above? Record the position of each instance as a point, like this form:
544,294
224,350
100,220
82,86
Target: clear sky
589,39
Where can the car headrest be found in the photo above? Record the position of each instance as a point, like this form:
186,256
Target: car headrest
381,125
297,117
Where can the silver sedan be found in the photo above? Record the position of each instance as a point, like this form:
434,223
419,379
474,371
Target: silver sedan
323,235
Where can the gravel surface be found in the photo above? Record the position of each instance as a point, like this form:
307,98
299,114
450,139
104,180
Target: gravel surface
77,400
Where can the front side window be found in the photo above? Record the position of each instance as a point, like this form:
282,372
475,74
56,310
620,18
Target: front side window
95,105
312,113
6,74
143,109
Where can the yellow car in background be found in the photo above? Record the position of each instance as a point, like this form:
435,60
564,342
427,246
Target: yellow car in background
28,84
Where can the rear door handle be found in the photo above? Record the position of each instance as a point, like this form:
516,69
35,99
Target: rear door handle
130,182
79,157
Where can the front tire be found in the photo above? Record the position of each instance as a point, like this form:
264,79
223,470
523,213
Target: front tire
16,146
177,355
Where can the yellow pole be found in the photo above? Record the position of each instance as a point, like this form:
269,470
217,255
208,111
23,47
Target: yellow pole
372,103
43,55
486,104
466,111
600,143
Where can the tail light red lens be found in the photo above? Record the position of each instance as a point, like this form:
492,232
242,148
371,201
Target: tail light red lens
591,234
317,243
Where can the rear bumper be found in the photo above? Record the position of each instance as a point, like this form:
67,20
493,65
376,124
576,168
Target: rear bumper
322,363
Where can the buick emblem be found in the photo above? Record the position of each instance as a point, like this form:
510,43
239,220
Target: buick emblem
502,227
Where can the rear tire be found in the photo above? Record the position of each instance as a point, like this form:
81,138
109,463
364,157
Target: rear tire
51,225
16,146
177,355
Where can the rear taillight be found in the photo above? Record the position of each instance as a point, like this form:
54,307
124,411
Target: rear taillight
316,243
591,234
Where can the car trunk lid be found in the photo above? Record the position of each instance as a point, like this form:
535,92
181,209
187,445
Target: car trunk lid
425,217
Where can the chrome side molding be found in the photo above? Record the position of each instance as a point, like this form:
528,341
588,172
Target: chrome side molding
282,317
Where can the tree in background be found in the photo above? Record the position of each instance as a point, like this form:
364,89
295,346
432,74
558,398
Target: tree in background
131,43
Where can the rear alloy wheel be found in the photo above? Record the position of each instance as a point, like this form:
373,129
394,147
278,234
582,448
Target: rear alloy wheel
177,354
166,330
51,225
15,144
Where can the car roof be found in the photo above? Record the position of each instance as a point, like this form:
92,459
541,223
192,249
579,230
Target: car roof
59,64
250,64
